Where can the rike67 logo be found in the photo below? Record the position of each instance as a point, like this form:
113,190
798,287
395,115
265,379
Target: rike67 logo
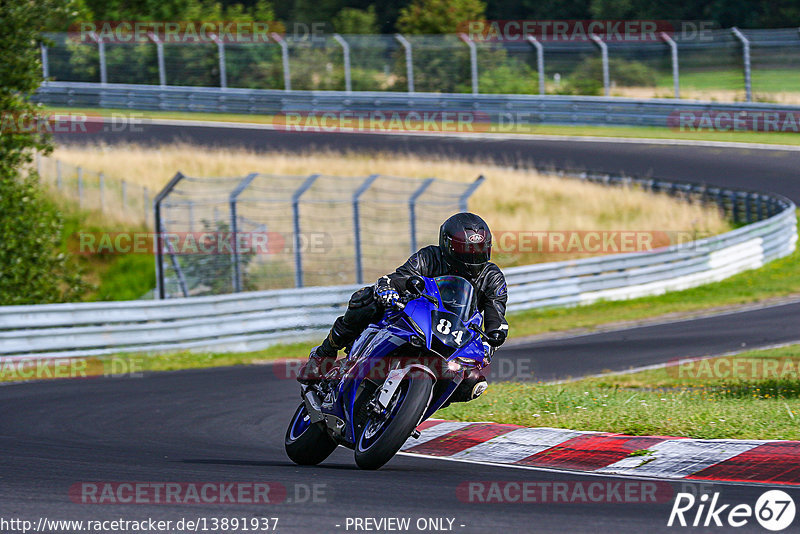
774,510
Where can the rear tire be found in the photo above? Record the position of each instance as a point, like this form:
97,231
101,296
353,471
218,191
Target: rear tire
373,452
307,443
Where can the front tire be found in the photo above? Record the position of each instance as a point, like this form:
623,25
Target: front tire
377,445
307,443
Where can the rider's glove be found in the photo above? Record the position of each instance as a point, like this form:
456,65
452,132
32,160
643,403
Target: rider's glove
385,293
488,352
496,337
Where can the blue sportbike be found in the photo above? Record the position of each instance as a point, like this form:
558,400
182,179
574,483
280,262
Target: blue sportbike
397,374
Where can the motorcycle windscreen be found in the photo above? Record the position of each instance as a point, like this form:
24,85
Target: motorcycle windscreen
449,332
457,295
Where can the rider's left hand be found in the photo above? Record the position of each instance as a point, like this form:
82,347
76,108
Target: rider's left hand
386,294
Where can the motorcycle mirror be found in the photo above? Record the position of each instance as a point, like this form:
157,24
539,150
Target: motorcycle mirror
415,285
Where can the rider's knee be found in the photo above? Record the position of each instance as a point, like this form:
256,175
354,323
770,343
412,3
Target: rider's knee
361,310
361,298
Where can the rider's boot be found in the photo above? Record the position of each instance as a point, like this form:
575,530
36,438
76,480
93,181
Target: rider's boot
320,361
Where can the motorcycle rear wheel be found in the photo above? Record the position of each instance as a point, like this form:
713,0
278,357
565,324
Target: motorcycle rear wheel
376,446
307,443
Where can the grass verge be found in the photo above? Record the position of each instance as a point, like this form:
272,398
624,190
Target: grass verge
701,399
111,276
633,132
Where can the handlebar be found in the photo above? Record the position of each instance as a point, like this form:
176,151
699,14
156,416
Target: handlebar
480,331
407,297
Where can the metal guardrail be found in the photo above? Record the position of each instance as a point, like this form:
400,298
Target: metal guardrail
249,321
499,113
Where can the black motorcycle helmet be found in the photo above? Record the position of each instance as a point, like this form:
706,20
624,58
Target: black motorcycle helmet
466,241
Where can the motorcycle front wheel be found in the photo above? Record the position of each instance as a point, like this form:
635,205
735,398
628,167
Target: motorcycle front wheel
307,443
382,437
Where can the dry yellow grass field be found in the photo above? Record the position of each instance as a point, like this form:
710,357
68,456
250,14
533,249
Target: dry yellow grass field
510,199
712,95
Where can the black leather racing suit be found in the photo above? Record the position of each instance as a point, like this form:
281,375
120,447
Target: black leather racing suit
363,309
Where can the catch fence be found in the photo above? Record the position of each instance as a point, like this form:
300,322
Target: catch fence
270,231
726,64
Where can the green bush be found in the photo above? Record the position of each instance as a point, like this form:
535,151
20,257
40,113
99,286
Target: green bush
582,86
587,78
33,269
506,78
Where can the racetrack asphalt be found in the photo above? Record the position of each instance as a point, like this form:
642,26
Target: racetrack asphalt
227,424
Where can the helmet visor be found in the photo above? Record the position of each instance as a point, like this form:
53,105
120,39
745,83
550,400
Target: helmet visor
475,249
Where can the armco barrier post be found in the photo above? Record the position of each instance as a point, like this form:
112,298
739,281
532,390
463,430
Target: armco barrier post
158,226
102,179
101,50
223,75
604,56
287,76
673,46
298,253
412,212
45,63
473,60
748,89
235,263
409,61
348,86
357,225
191,215
162,74
146,203
80,187
539,60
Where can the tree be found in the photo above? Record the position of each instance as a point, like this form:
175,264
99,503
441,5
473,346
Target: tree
352,20
439,16
32,269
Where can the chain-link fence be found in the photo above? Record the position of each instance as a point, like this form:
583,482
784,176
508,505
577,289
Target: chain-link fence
91,190
266,231
712,63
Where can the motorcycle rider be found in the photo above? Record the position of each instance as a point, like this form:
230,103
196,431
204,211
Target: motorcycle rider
465,244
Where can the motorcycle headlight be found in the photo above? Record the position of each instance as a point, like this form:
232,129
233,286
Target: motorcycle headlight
454,366
466,362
